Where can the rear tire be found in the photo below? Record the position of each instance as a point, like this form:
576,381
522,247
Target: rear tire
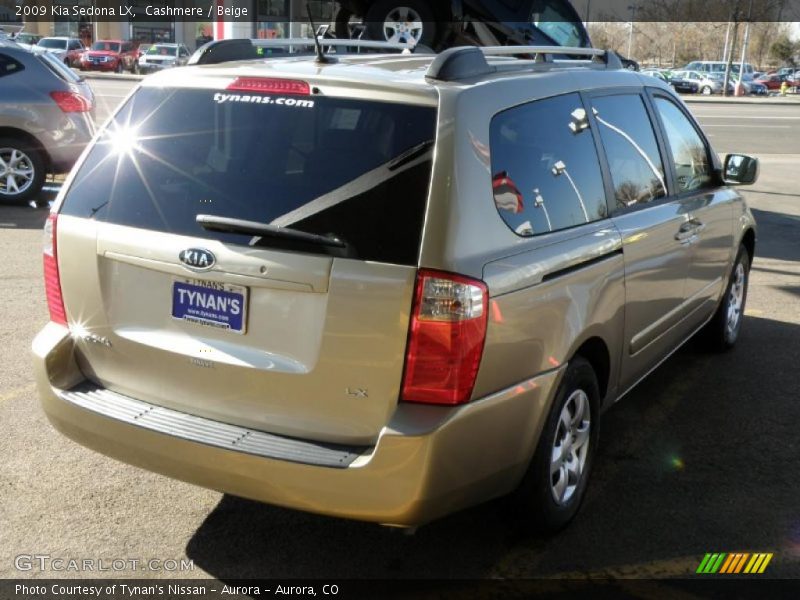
342,23
725,326
552,490
118,68
386,21
22,171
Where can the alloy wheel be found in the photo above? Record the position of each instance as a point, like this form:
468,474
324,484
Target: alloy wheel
570,447
735,302
403,25
16,171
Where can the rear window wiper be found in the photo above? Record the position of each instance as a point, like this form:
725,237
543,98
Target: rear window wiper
410,154
264,230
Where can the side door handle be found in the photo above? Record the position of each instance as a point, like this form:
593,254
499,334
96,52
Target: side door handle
689,230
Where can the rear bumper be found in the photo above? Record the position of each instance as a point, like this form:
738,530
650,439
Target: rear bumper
427,462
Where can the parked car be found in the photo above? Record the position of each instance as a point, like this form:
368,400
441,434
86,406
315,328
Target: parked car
774,82
680,85
27,39
385,288
751,86
45,120
716,66
465,22
707,83
111,55
163,56
68,50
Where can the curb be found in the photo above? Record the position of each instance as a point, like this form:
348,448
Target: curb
111,76
769,100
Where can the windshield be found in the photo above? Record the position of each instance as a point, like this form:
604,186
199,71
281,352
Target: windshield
162,51
53,44
356,169
106,46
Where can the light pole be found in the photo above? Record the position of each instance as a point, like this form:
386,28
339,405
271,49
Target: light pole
633,8
636,147
561,169
538,202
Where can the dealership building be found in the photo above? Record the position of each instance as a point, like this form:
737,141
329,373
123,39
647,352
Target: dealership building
263,19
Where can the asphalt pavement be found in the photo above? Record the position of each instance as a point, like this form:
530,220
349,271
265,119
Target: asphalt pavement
701,457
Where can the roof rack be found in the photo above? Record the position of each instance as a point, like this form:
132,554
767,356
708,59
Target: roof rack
220,51
468,62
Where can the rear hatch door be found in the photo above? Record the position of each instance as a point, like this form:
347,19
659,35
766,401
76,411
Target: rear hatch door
302,337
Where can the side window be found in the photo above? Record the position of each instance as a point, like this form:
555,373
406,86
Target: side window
689,152
9,66
545,171
637,172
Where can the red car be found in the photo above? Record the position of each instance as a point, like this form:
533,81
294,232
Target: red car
111,55
773,82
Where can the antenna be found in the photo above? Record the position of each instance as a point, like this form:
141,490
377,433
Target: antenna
321,57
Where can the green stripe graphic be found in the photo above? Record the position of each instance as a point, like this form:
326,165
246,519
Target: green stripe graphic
718,564
701,568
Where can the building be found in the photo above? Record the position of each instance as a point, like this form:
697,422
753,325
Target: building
264,19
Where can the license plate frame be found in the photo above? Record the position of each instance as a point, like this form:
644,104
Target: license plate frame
201,303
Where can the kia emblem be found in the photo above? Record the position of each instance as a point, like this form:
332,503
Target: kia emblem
197,259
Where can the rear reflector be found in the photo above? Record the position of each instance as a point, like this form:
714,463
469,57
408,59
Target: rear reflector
52,279
71,102
446,337
270,86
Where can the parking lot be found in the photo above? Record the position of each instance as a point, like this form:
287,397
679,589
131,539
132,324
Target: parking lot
699,458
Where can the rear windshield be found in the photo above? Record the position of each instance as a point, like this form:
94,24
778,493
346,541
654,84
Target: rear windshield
58,68
354,169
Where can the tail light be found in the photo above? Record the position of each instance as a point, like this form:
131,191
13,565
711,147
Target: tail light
446,337
70,102
267,85
52,279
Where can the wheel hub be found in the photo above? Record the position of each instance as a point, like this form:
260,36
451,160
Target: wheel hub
16,171
570,447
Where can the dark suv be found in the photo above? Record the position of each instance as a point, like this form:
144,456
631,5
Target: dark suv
456,22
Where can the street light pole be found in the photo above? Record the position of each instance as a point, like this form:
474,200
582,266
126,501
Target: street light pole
561,169
631,8
538,202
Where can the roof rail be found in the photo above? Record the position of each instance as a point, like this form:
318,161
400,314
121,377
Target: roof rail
220,51
467,62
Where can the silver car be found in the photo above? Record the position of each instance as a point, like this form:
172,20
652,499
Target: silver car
163,56
385,287
45,119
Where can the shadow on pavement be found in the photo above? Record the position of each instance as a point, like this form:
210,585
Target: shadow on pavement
701,457
28,215
782,243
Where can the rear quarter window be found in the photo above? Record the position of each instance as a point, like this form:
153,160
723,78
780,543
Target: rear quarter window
9,66
545,175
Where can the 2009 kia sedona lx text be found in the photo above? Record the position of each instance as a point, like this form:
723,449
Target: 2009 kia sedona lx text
385,287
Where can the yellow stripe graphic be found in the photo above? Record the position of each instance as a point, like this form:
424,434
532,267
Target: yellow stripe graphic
765,563
758,563
753,560
741,563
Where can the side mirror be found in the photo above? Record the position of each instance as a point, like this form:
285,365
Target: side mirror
740,169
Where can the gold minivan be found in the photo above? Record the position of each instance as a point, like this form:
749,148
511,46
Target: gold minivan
385,287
